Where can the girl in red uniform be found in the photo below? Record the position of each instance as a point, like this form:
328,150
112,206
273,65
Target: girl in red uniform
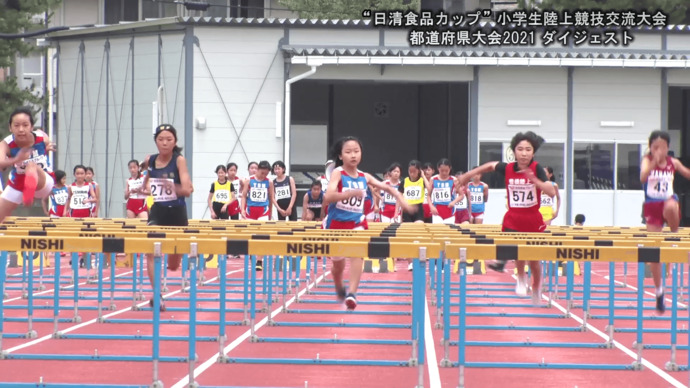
390,211
525,181
134,192
80,195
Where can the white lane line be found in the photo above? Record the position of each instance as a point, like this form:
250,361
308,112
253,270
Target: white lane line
646,292
83,324
184,382
431,361
70,286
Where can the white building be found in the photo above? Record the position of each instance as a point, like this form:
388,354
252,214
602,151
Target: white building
230,85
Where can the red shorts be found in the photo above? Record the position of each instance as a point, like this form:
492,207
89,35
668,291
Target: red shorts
480,215
427,211
444,211
234,208
80,213
524,221
137,205
256,212
654,212
388,211
462,216
345,225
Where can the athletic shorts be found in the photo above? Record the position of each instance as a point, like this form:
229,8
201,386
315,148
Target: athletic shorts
462,216
345,225
136,205
217,206
234,209
654,212
257,213
15,196
80,213
168,215
478,215
417,216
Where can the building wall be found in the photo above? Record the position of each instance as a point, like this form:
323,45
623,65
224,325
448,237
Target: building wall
236,89
125,119
77,12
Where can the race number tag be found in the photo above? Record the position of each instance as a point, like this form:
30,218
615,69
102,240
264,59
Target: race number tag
282,192
477,197
258,194
388,198
135,185
413,193
221,196
162,190
441,195
353,204
522,196
40,160
462,204
659,187
79,197
546,201
60,197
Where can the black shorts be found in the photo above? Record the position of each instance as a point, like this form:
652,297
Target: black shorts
316,211
168,215
216,209
417,216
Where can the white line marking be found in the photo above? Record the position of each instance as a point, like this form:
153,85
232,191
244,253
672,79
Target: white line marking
620,347
71,285
184,382
431,361
646,292
83,324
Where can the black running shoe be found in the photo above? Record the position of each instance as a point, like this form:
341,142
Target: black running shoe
259,265
162,304
341,293
660,305
497,266
351,301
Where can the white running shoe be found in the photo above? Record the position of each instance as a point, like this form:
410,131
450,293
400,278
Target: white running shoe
521,287
409,267
536,296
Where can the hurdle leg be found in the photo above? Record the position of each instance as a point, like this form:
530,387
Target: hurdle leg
570,282
56,295
461,323
264,282
445,362
157,260
439,290
25,294
222,310
183,272
164,263
419,294
671,365
40,271
586,291
134,282
194,263
141,276
637,365
252,311
285,284
269,295
612,298
100,286
113,263
31,333
247,274
3,268
307,273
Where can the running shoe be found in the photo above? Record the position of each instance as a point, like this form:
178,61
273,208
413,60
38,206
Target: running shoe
521,287
497,266
351,301
162,304
259,265
341,293
660,304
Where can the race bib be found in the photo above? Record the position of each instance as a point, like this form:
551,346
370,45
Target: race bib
441,195
353,204
546,201
222,196
60,197
413,193
160,192
40,160
462,204
659,187
79,201
258,194
136,184
282,192
477,197
388,198
522,196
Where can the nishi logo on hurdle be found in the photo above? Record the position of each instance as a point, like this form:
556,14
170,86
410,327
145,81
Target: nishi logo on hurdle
218,291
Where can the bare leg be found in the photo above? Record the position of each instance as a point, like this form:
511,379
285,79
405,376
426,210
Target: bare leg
356,265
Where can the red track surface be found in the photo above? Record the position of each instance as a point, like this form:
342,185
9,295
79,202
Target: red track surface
281,375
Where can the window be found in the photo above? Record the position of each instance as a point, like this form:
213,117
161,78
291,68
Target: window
551,155
116,11
593,166
218,8
628,159
489,152
155,10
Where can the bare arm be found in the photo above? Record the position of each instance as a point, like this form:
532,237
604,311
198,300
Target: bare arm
646,167
486,192
293,188
44,205
558,201
484,168
272,198
374,183
185,187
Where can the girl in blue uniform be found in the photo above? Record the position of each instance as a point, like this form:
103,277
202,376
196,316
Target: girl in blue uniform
168,182
345,194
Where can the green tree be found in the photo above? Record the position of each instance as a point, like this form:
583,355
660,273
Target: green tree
677,10
345,9
16,21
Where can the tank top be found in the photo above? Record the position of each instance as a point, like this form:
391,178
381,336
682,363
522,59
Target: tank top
236,187
414,192
524,200
58,197
349,209
442,192
158,177
388,199
221,192
283,192
257,196
659,185
462,204
135,184
314,203
79,196
477,197
39,155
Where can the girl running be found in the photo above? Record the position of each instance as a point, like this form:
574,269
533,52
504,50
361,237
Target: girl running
525,181
442,194
345,195
462,203
134,192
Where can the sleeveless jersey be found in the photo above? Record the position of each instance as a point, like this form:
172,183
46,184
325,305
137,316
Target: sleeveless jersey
314,203
93,185
477,197
524,200
387,198
659,185
442,192
283,192
158,177
350,209
221,192
414,192
134,184
79,196
257,196
39,155
462,204
58,200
